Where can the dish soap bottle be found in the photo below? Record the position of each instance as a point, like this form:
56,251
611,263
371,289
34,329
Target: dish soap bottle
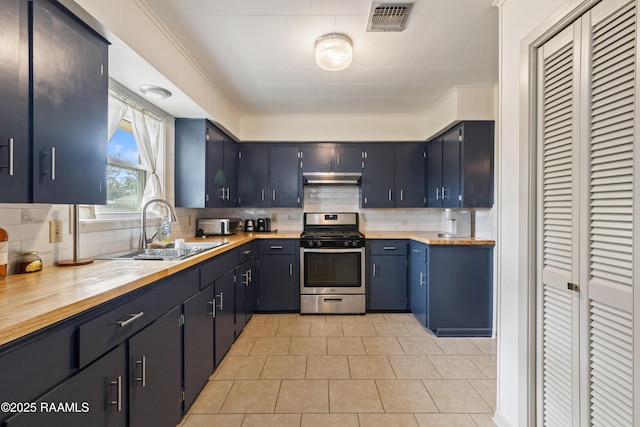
166,229
4,252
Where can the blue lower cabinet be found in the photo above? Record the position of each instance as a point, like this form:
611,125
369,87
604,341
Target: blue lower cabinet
225,315
96,396
460,290
155,374
418,281
387,275
279,275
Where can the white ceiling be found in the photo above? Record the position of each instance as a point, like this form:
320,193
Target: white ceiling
260,53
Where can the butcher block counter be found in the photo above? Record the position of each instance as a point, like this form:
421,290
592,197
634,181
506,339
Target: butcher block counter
32,301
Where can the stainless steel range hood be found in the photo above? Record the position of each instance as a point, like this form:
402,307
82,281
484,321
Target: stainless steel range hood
331,178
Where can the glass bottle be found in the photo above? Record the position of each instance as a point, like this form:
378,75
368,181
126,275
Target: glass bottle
30,262
4,252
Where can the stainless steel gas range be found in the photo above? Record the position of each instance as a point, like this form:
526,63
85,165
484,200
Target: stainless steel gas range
332,264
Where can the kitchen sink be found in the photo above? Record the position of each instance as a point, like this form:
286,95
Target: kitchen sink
186,250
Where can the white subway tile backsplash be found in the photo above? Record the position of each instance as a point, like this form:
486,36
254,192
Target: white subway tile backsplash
28,224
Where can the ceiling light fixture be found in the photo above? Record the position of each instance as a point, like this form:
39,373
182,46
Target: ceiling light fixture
334,52
155,92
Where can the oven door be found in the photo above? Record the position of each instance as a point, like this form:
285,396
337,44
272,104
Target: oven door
332,271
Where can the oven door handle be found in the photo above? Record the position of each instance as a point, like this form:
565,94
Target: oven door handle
333,299
333,250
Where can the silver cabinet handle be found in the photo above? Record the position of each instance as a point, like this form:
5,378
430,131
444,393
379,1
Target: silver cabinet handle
437,194
52,172
275,247
9,145
423,278
221,296
262,195
417,251
246,252
221,191
228,193
390,195
389,248
213,310
401,195
290,270
134,317
273,194
443,193
374,270
143,377
245,277
118,401
250,275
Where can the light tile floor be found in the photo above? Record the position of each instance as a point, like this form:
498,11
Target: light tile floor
371,370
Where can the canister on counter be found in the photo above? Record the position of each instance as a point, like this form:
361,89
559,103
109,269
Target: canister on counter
29,262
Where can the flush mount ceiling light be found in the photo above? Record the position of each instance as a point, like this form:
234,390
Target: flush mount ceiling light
155,92
334,52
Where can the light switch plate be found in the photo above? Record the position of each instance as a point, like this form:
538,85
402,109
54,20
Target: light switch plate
55,231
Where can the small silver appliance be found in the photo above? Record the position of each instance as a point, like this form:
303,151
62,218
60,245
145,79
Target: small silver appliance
216,226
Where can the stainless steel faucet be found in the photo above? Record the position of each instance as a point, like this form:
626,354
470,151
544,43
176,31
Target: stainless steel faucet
143,221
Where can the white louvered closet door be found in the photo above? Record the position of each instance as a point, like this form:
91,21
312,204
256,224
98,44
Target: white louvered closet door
586,213
559,314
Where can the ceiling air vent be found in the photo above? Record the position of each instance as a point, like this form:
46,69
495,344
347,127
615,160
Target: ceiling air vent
388,16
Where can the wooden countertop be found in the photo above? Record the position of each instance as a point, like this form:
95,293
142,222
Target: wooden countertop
32,301
428,237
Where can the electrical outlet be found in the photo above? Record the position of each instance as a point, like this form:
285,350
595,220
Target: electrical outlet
55,231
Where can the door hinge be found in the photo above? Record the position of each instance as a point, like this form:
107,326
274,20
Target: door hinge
573,287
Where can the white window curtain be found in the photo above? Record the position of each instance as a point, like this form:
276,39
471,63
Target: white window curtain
117,110
146,131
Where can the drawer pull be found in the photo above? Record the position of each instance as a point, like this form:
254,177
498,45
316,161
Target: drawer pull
134,317
143,377
389,248
246,252
275,247
118,401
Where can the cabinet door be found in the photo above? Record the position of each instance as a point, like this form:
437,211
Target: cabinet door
476,164
97,396
198,343
460,299
410,176
14,108
347,158
245,294
225,315
253,174
316,158
388,282
230,173
215,176
155,357
378,177
418,282
284,177
451,168
192,136
69,109
279,287
434,174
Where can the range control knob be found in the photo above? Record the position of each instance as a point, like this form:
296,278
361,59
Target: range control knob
310,243
354,243
318,243
346,243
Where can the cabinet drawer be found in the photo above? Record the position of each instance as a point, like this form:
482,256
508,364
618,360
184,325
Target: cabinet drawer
246,251
124,317
215,268
387,247
279,246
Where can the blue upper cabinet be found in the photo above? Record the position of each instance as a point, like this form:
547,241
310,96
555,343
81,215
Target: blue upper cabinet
59,153
205,166
14,108
393,175
346,157
70,109
460,167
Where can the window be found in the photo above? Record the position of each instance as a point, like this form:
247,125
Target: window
126,175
